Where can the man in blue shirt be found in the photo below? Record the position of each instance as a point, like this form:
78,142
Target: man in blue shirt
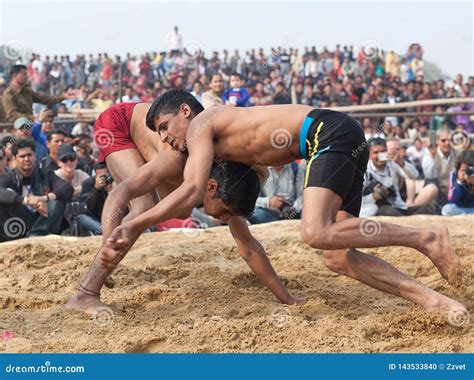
461,189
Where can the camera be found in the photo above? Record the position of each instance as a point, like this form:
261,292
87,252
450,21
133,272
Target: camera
108,179
470,171
388,193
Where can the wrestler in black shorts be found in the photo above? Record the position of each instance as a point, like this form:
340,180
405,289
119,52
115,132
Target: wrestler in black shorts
336,153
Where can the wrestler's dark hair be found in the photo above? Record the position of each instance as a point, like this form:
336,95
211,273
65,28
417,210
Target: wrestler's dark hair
238,186
170,102
22,144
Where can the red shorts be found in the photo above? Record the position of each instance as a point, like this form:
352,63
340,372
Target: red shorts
112,130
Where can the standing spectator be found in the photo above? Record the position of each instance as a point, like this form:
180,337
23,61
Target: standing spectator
174,41
18,98
36,199
236,95
461,192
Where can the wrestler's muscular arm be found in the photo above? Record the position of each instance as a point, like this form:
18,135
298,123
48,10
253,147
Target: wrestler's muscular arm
146,180
188,195
254,255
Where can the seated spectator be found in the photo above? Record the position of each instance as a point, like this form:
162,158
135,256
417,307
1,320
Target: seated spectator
408,189
30,198
83,148
381,194
82,127
440,162
54,140
94,193
7,143
213,97
236,95
415,154
259,97
281,195
3,162
67,161
280,96
461,191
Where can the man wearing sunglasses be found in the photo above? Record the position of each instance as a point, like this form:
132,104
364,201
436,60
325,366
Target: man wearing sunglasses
31,201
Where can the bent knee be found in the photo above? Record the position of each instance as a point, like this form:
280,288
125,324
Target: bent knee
335,261
316,237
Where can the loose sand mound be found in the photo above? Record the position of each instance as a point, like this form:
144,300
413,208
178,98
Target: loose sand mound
181,293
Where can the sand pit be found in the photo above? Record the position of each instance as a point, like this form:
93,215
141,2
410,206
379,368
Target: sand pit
179,292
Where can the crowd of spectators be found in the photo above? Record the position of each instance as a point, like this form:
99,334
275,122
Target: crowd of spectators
51,182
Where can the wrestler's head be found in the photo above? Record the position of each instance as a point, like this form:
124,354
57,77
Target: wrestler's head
232,190
170,116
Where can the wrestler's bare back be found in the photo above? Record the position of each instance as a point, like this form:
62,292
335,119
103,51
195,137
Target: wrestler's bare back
261,135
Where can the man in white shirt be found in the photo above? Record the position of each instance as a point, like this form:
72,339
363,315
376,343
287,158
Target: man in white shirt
440,162
381,194
174,41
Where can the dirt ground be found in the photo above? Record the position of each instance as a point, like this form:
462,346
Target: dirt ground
191,292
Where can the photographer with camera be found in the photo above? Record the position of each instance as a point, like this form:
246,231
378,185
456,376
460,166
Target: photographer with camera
281,195
94,193
381,194
461,190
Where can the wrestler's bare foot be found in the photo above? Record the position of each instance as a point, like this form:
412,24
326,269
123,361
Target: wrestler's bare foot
456,312
85,303
441,253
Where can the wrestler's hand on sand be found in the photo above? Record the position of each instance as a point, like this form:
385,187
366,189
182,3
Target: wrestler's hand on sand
122,237
292,300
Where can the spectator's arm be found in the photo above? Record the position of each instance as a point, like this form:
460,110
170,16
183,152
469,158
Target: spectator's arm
458,194
407,171
62,189
263,202
36,132
242,102
429,167
7,195
90,194
38,97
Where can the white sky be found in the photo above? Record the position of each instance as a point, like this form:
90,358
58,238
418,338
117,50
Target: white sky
444,29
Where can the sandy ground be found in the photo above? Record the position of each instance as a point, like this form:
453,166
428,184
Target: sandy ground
180,293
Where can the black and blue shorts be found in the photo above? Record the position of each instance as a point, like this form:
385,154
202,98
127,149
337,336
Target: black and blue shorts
336,153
